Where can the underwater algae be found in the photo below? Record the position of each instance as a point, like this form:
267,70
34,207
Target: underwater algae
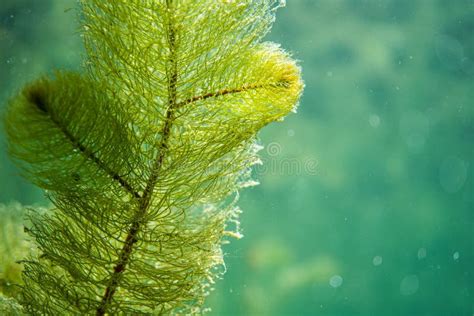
143,153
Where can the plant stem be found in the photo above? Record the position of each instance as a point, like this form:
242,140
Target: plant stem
137,222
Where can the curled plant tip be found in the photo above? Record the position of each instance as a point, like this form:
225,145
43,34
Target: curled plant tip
143,154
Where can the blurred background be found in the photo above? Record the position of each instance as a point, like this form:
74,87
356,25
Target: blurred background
366,202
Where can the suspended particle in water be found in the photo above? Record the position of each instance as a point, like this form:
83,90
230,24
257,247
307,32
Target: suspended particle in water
409,285
374,120
335,281
421,253
377,260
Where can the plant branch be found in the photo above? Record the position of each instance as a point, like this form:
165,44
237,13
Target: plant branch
36,97
224,92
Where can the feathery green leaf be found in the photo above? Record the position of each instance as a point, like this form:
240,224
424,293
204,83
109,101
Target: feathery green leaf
143,155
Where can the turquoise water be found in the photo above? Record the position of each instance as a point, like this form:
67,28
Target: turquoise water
366,199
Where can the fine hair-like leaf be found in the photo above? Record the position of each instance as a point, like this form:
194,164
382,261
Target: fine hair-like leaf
143,154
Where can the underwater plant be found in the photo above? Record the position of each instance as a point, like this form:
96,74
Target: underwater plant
143,154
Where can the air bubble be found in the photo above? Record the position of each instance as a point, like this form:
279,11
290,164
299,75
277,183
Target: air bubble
421,253
374,120
409,285
336,281
377,260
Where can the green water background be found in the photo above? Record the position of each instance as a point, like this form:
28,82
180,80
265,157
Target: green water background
366,199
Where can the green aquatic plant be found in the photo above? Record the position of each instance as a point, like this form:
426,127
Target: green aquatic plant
13,246
143,154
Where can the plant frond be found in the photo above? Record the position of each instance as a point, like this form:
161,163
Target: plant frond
143,155
66,137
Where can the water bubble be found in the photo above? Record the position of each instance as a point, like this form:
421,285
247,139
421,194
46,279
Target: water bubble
377,260
335,281
291,133
374,120
421,253
409,285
